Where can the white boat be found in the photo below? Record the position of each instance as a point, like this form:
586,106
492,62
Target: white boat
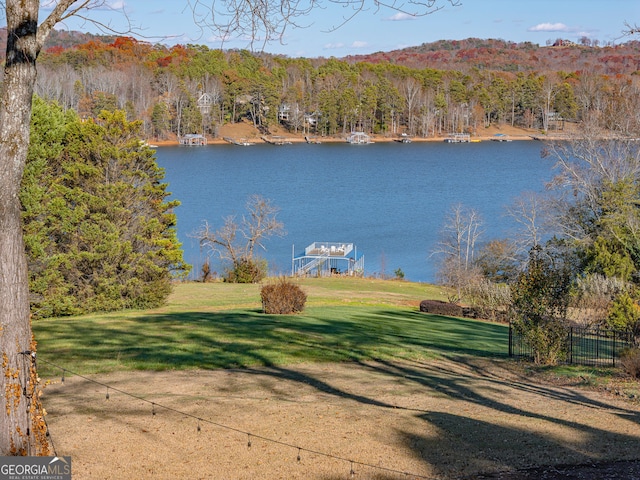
404,138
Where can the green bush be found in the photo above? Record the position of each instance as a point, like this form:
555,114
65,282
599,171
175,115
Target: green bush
539,302
98,227
282,297
624,312
547,338
247,270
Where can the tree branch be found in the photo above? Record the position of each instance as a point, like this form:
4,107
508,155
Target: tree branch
267,20
66,9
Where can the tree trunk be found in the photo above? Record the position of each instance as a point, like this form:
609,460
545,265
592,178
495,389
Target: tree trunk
15,326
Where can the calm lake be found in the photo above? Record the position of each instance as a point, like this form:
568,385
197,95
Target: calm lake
389,199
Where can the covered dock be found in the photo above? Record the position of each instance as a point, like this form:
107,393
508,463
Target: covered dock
323,259
359,138
192,139
458,138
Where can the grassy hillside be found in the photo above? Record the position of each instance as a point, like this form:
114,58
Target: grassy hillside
220,325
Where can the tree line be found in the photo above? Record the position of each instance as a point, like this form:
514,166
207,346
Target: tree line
575,259
193,89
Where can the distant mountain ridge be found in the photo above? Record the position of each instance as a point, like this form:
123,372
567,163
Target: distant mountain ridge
61,39
501,55
460,55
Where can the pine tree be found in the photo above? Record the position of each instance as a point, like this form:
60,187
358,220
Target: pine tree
99,232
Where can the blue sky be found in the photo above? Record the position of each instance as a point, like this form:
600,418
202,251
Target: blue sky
537,21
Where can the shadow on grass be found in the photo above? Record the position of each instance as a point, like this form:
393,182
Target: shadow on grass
374,339
509,434
244,338
463,444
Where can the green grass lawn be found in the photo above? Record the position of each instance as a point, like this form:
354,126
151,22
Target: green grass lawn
220,325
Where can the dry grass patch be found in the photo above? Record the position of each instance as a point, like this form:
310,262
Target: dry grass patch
440,419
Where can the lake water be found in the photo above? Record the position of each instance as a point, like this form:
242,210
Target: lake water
389,199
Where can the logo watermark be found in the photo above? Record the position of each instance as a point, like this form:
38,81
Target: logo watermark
35,468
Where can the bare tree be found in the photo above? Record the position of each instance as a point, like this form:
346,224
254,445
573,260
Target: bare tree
263,20
457,246
589,167
236,241
529,213
631,29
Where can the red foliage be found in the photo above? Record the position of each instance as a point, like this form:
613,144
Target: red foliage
57,50
164,61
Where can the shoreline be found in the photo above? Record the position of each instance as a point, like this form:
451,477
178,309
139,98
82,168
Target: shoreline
291,139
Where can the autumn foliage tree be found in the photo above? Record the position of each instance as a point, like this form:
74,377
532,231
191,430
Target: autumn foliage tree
26,36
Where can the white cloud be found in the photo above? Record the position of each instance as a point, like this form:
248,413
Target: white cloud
333,46
549,27
359,44
401,17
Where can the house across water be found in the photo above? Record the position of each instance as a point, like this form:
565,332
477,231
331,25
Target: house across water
323,259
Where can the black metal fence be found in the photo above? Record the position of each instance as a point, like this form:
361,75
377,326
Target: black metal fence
583,346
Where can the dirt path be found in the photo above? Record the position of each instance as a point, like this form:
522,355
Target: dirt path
440,419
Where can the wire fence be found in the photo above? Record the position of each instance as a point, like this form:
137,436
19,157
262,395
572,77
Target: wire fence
582,346
156,407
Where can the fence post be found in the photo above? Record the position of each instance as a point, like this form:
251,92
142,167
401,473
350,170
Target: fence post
570,345
614,348
510,340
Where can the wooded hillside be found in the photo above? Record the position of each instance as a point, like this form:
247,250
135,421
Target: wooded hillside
429,90
475,53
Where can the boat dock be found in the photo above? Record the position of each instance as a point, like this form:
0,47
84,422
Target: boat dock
458,138
276,140
324,259
193,139
243,142
359,138
500,137
404,138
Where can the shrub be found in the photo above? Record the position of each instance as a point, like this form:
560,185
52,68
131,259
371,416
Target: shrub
206,271
438,307
593,295
630,361
624,312
540,298
247,270
547,338
282,297
490,300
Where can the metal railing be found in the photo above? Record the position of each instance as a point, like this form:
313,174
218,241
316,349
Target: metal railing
583,346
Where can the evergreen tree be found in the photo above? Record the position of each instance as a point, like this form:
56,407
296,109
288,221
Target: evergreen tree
540,299
99,232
